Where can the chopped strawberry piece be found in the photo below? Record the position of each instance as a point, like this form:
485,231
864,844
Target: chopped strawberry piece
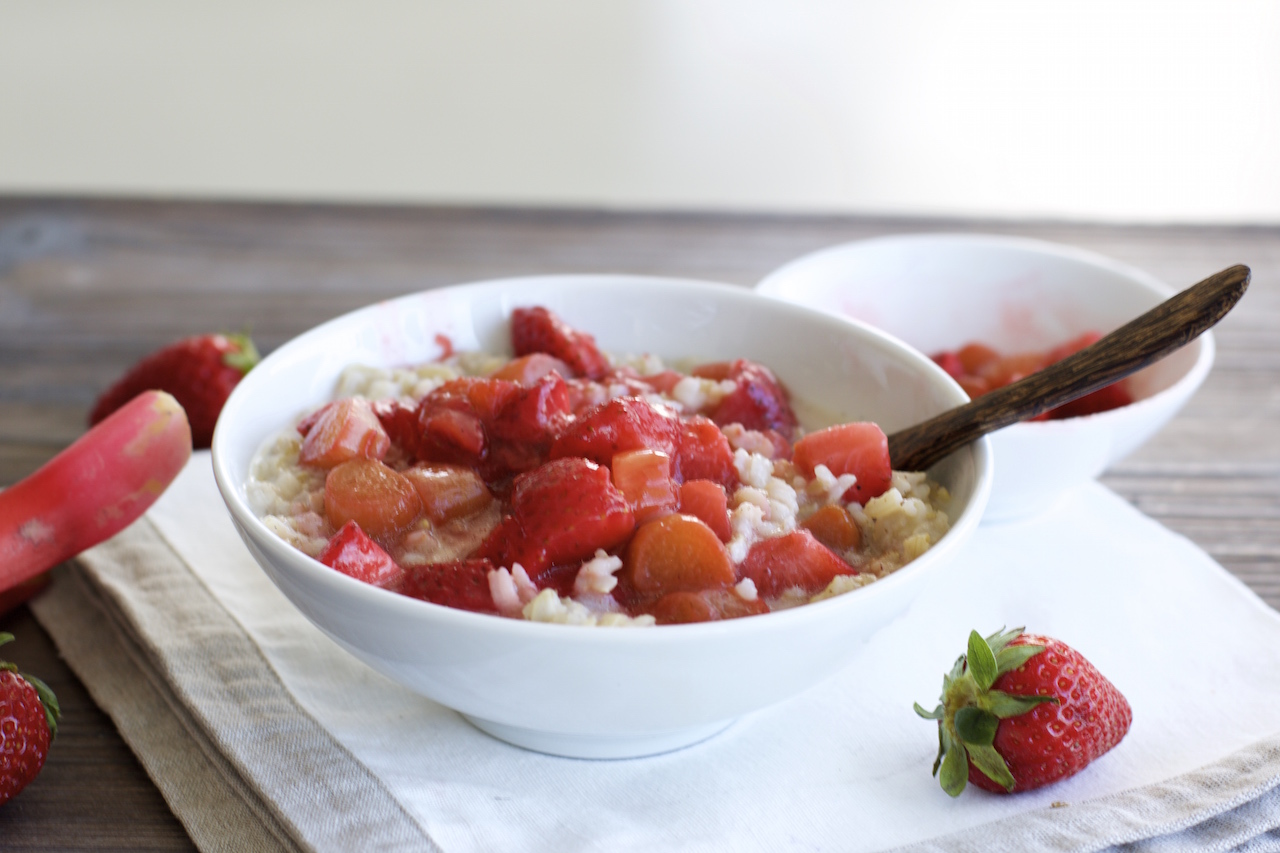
539,330
791,560
708,605
644,478
463,584
528,369
561,512
759,402
664,382
353,553
951,363
624,423
400,422
341,431
976,357
381,500
859,448
535,413
449,422
521,432
484,396
717,371
703,453
708,501
449,434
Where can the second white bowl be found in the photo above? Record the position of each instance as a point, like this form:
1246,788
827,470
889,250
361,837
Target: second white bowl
940,291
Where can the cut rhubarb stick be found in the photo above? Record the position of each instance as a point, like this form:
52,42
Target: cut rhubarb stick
93,489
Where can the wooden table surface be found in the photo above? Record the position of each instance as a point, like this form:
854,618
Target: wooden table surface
89,287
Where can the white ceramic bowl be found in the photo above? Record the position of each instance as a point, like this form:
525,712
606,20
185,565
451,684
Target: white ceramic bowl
941,291
599,692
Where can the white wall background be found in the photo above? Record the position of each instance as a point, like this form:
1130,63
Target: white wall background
1118,110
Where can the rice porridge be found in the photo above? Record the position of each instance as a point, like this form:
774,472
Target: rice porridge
566,485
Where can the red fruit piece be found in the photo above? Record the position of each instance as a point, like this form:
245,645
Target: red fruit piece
200,372
399,421
463,584
708,605
950,362
759,402
448,491
834,527
1103,400
644,478
448,429
94,489
861,449
528,369
539,330
342,431
29,715
561,512
791,560
378,498
535,413
707,500
1020,711
353,553
673,554
621,424
703,453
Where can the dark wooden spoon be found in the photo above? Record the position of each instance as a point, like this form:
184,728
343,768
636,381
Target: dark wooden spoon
1170,325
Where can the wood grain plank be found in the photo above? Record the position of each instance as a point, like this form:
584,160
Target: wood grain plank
89,286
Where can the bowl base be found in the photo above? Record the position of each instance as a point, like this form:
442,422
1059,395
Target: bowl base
598,746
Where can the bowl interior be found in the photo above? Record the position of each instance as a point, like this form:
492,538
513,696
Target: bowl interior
939,292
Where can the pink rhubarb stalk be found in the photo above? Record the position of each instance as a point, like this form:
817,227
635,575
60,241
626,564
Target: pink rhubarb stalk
93,489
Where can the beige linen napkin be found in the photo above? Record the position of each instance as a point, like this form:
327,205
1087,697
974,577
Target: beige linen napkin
263,734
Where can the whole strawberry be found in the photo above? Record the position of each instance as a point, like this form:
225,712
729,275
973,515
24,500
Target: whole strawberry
28,721
199,372
1020,711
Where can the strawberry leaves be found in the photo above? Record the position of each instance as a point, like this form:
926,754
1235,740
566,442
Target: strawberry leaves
970,711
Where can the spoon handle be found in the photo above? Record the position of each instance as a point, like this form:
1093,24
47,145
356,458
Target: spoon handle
1170,325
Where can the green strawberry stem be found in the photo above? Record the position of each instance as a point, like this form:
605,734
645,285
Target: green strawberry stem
246,357
970,710
52,710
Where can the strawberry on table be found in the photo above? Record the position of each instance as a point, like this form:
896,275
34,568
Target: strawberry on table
539,330
29,716
199,372
1020,711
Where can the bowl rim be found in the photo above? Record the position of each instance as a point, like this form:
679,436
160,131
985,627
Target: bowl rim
774,283
338,583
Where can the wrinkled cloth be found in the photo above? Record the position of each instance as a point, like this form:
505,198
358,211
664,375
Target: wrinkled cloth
263,734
